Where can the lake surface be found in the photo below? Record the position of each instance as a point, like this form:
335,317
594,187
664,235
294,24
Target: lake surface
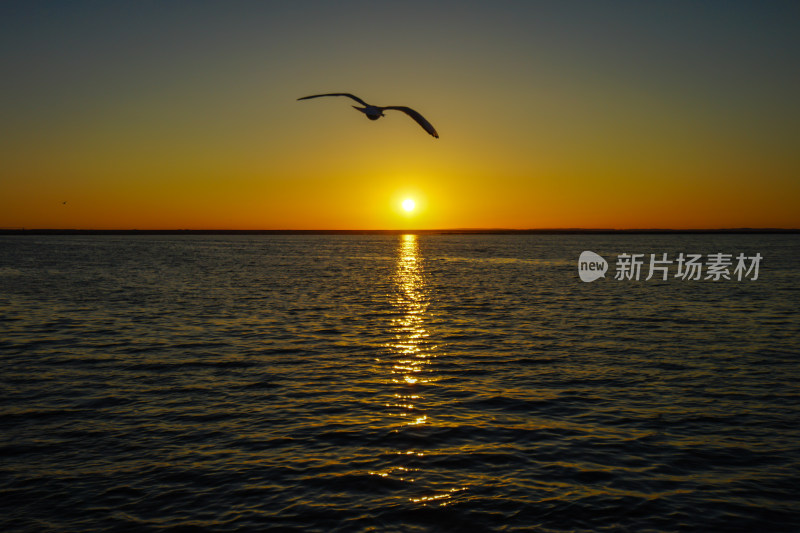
395,383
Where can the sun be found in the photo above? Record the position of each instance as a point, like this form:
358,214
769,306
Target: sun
409,205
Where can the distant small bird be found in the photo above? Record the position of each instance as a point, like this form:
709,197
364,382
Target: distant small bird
64,203
375,112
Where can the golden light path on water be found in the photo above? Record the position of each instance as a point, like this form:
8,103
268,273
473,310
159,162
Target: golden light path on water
411,300
411,352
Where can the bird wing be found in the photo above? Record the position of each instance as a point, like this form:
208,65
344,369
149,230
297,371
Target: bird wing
354,97
417,117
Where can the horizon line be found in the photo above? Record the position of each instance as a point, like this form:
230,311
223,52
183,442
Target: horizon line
442,231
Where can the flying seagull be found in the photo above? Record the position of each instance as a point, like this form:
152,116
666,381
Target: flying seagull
375,112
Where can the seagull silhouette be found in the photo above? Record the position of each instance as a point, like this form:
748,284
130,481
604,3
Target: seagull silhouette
375,112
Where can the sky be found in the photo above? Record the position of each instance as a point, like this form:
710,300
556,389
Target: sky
568,114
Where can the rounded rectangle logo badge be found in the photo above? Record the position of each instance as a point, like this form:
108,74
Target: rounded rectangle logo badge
591,266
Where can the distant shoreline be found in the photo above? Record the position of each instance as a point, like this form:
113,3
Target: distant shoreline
467,231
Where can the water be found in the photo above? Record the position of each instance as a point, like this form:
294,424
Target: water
394,383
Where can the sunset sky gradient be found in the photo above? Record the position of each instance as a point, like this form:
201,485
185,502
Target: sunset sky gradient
183,115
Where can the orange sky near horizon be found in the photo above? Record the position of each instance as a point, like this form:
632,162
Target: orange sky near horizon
550,116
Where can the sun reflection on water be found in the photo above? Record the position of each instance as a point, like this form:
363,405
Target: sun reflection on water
410,353
409,346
